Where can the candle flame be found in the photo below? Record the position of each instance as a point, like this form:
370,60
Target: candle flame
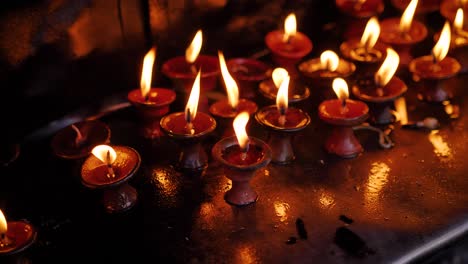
371,33
278,76
231,85
341,88
191,53
400,107
147,72
239,124
192,103
282,96
442,46
329,60
458,22
105,153
3,223
407,16
290,27
388,68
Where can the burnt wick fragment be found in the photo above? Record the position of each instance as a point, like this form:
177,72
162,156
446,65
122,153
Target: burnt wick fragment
291,241
351,243
301,231
346,219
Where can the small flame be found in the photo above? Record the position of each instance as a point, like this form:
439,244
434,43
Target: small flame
192,103
3,223
329,60
341,88
407,16
105,153
458,22
191,53
278,76
442,46
239,124
282,96
231,85
290,27
147,72
400,107
388,68
371,33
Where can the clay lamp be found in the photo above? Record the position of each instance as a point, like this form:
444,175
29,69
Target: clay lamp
449,8
151,103
382,92
366,53
76,141
403,33
109,169
15,236
356,13
425,6
282,122
225,110
343,114
288,46
297,91
430,71
188,128
241,156
248,73
183,70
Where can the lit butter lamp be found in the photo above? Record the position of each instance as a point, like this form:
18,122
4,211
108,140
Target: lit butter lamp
343,114
297,91
183,70
360,8
288,46
430,71
76,141
242,156
282,122
403,33
248,73
382,92
151,103
425,6
109,169
449,8
225,110
188,129
15,236
366,53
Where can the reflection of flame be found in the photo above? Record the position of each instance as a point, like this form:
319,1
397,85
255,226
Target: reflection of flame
281,210
147,72
231,85
329,60
246,254
341,88
105,153
378,178
3,223
161,178
407,16
192,103
191,53
458,22
290,27
388,68
441,148
442,46
326,200
400,106
278,76
282,96
240,122
371,33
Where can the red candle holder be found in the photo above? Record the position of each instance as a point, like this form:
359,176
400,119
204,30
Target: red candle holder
297,91
248,73
430,77
193,157
118,195
19,237
280,136
356,15
458,48
342,141
240,171
152,109
225,113
424,6
380,99
77,140
367,61
448,9
402,42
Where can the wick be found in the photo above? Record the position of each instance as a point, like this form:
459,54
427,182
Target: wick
79,140
110,170
435,67
4,240
343,104
244,152
193,68
282,117
147,97
189,125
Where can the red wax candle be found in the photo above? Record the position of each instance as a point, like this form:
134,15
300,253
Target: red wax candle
248,73
295,119
175,125
297,90
18,237
224,109
360,9
234,155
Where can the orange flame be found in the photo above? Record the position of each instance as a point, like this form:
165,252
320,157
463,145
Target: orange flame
341,88
442,46
192,103
3,223
147,72
388,68
191,53
231,85
371,33
105,153
282,96
458,22
329,60
239,124
407,16
278,76
290,27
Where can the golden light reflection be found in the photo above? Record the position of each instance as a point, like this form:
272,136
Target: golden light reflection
281,209
378,178
400,106
326,200
246,254
329,60
442,46
371,33
441,148
161,178
407,16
